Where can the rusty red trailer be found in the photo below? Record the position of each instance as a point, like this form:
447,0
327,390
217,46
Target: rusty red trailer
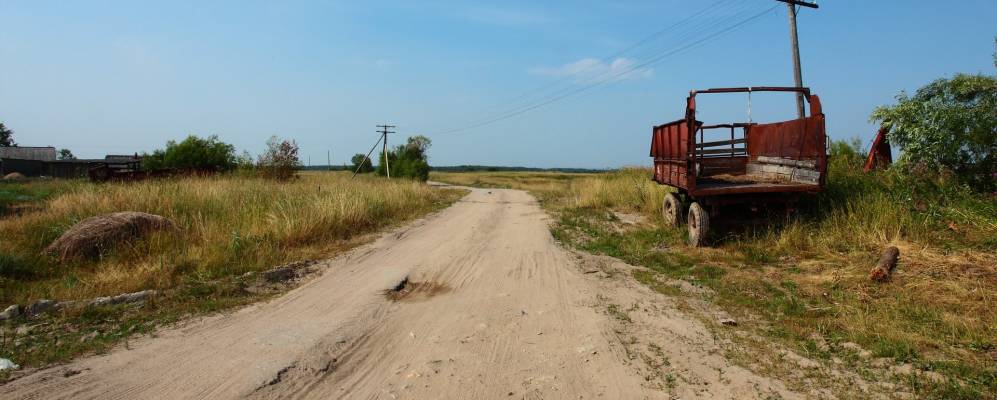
760,163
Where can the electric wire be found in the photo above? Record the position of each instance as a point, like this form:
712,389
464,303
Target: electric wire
528,94
576,90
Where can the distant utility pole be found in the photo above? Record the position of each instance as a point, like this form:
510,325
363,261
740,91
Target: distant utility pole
384,135
328,159
795,43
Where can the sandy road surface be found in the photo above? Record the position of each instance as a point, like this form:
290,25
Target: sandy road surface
497,310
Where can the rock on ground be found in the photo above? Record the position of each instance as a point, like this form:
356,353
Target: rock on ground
93,235
10,312
7,364
123,298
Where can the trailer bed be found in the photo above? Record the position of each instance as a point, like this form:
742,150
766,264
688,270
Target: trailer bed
759,166
713,187
784,156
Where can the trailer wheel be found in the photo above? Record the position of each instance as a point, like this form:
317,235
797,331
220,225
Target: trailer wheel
671,210
699,225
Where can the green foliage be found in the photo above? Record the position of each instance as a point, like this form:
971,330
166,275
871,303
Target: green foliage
948,125
361,163
244,164
280,160
409,160
6,136
65,154
194,153
847,153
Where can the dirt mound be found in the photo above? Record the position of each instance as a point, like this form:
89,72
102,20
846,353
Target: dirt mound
13,176
93,235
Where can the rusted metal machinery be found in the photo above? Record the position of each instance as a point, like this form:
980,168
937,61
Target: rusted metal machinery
880,155
761,166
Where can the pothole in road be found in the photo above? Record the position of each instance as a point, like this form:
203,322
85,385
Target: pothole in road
409,291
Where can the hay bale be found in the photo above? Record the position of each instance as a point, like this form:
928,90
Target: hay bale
94,235
886,264
13,176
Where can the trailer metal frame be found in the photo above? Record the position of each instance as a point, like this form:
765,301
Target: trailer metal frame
769,164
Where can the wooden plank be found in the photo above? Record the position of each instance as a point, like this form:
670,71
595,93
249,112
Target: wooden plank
783,173
722,143
736,150
787,162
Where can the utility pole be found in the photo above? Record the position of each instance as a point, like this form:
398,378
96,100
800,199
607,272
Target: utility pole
384,134
367,157
795,43
328,159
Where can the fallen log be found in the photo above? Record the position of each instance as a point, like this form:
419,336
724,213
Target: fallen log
886,264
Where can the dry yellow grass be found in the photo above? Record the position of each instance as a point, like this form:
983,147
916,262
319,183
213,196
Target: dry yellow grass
227,225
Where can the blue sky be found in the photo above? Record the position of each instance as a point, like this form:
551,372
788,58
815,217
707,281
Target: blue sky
104,77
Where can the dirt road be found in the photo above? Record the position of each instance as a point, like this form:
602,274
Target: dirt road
492,308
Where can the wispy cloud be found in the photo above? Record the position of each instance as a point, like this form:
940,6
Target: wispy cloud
593,69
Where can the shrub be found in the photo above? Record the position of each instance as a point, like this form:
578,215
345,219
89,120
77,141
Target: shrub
409,160
205,154
280,159
847,154
949,124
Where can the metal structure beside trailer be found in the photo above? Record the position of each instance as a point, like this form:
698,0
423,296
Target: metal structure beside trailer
760,165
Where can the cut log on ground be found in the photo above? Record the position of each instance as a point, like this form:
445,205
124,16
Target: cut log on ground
886,264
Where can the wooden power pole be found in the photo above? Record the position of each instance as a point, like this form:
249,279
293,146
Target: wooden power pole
795,43
384,132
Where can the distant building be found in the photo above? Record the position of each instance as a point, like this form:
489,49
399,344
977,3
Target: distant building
28,153
41,161
122,158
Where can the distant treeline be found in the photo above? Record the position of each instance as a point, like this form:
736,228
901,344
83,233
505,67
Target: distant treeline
325,168
486,168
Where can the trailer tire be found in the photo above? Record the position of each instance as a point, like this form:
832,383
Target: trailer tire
699,225
671,210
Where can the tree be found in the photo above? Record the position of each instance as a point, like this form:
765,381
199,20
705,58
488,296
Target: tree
361,163
280,159
409,160
65,154
204,154
6,136
949,124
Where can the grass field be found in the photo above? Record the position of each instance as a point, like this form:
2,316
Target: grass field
804,282
228,226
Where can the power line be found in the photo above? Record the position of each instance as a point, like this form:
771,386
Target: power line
597,81
565,94
618,53
366,158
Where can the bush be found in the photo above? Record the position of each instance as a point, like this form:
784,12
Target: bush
408,160
949,124
280,160
361,163
847,153
210,154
